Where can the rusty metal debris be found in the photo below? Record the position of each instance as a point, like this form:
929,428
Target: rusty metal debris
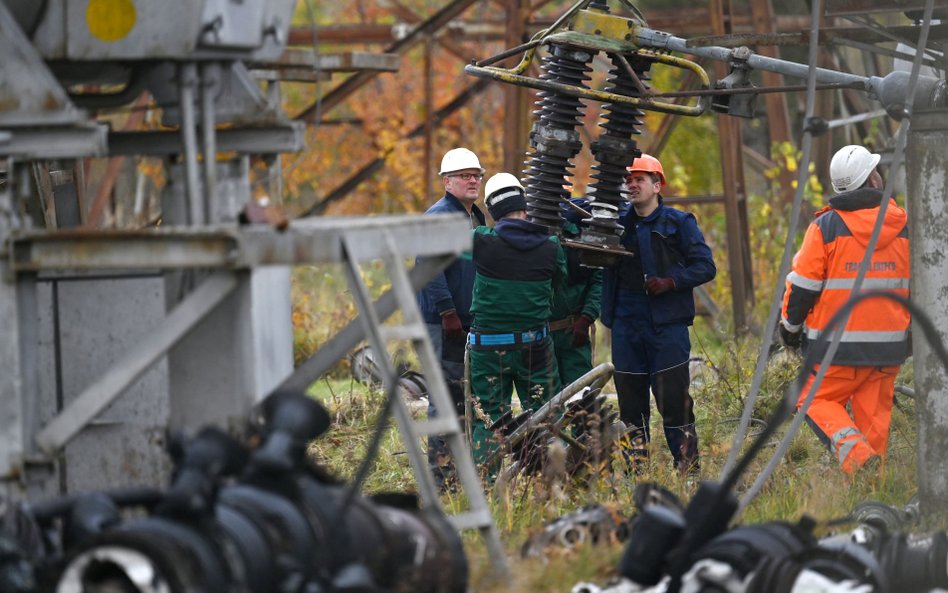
364,368
592,524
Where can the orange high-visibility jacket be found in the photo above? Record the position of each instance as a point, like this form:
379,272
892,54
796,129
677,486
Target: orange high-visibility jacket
824,272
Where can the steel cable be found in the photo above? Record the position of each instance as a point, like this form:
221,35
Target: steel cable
837,330
802,178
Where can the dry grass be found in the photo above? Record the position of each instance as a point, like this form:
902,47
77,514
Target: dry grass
806,482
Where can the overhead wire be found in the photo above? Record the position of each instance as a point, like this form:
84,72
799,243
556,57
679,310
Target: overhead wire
867,22
837,329
803,175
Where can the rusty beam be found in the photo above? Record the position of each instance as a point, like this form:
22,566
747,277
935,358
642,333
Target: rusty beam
825,108
429,116
735,208
669,121
349,61
778,115
682,22
377,164
427,28
516,109
448,43
539,4
861,7
342,34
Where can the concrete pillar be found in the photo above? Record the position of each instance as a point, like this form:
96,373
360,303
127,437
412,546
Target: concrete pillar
18,382
235,356
927,180
84,327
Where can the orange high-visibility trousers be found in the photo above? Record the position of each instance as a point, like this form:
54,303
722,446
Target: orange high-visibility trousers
869,391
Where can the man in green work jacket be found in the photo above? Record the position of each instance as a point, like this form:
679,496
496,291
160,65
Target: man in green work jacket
575,308
517,266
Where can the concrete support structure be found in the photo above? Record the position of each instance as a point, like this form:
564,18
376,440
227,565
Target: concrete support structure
83,326
250,337
927,171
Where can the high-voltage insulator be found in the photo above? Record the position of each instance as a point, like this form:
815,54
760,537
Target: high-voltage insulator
586,30
613,151
554,137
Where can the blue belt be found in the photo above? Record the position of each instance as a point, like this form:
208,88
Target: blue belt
475,338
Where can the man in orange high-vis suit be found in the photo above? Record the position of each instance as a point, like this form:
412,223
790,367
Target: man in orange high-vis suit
875,341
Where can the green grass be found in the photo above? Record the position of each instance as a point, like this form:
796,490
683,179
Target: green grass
807,481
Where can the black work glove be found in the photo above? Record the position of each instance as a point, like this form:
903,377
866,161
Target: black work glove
656,286
451,324
581,331
789,338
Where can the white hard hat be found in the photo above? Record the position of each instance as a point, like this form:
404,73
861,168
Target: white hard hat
458,159
500,181
851,166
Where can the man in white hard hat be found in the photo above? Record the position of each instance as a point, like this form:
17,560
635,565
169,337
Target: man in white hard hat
445,302
875,341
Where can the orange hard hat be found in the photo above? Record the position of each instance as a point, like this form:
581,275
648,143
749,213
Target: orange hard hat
648,164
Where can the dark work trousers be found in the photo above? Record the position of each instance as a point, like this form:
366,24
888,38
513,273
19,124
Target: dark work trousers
646,358
451,354
495,373
572,361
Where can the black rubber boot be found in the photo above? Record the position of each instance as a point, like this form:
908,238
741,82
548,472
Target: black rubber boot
683,444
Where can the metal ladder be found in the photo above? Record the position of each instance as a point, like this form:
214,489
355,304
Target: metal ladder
446,423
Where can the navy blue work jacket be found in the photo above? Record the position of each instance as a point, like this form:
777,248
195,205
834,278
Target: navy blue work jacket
453,288
670,245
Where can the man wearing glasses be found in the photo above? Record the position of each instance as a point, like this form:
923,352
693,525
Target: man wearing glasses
648,303
445,302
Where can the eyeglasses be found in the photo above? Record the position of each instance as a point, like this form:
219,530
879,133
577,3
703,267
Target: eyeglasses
467,176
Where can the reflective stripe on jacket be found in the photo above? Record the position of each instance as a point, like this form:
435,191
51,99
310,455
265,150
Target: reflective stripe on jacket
825,269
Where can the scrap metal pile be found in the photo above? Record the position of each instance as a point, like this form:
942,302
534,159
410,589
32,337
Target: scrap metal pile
576,419
672,549
234,519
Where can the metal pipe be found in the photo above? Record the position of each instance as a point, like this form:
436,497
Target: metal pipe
832,86
651,38
845,121
210,76
275,169
587,93
187,79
